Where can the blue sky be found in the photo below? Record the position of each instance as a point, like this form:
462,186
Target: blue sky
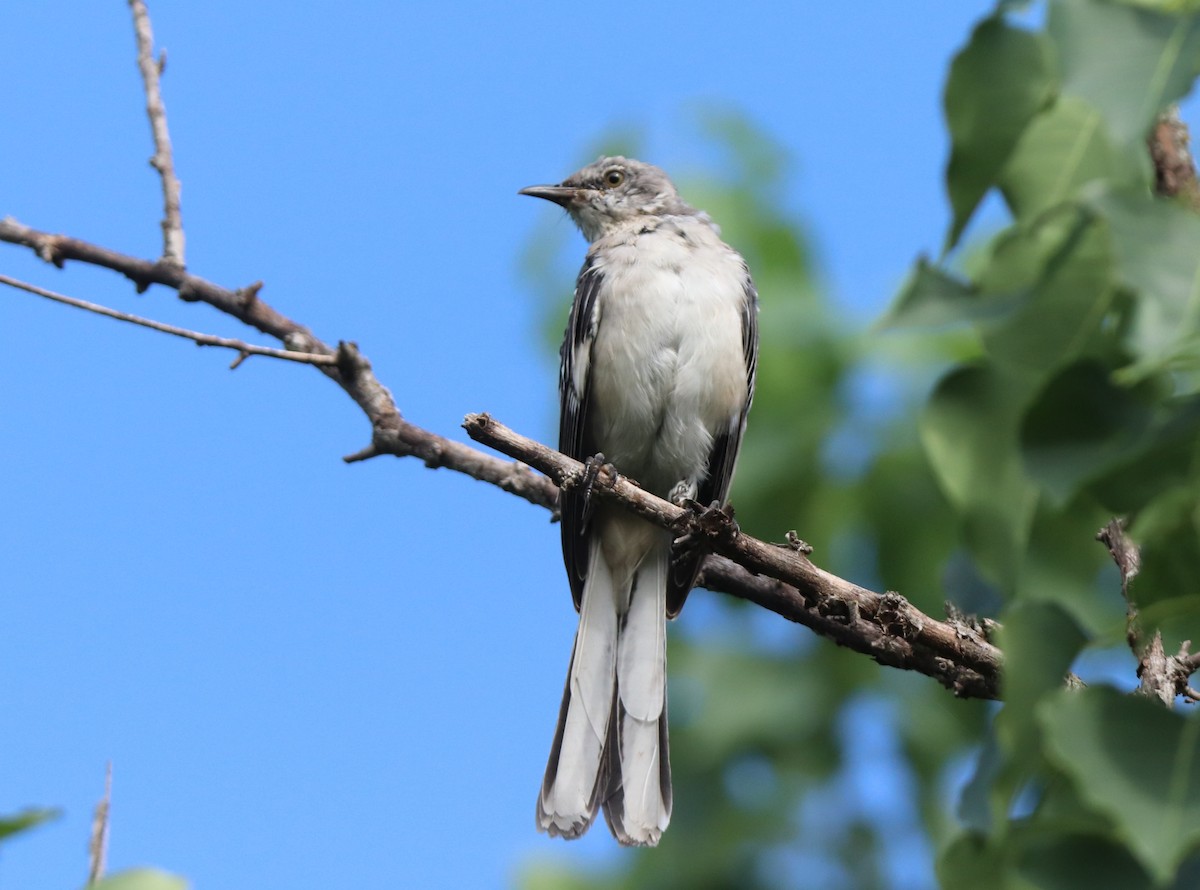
309,674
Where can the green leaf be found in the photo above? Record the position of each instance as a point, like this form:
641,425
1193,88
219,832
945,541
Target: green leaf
1135,762
1168,530
1082,425
1161,461
1126,63
1177,618
26,819
1073,294
932,297
1040,641
1064,565
968,429
1062,149
1074,862
997,83
141,879
1156,246
970,862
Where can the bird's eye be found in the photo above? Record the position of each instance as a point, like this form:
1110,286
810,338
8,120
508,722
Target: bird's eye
614,177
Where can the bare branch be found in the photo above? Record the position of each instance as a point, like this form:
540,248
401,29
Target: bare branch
1174,168
98,842
1161,676
163,160
244,349
391,433
884,626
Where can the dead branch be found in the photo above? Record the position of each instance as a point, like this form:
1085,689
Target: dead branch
885,626
1161,676
163,160
244,349
1170,152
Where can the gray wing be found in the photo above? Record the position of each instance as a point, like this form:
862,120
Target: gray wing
723,456
575,437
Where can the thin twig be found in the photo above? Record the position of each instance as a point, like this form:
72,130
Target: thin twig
98,843
163,160
244,349
390,432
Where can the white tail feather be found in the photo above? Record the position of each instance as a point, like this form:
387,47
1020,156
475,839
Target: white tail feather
611,744
570,793
645,805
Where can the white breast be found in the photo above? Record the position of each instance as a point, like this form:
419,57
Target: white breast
668,371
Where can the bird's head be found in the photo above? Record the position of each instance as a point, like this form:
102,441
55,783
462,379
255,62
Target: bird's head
613,193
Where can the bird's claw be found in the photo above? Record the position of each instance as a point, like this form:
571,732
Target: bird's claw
699,527
592,467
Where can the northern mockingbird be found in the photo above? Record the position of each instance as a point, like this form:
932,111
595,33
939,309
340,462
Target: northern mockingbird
657,375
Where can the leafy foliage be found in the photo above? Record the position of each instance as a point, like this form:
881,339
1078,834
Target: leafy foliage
1079,403
25,820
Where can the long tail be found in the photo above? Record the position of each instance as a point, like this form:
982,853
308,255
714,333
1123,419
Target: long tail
610,747
571,788
637,799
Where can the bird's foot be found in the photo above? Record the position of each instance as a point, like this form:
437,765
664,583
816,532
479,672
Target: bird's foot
699,528
592,468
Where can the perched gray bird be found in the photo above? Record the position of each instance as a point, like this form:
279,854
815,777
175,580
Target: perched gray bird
657,375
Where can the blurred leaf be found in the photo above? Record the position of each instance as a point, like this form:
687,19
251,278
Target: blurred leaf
26,819
970,863
1070,298
1156,244
1074,862
141,879
977,809
1063,148
1177,618
997,83
1126,63
969,432
1082,425
1135,762
932,297
1168,530
1066,566
1040,641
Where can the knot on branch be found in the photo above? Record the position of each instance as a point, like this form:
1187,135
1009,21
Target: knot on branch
50,250
1166,676
350,362
714,523
248,295
895,617
968,626
1123,551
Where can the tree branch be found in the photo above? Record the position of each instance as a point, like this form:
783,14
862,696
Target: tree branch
391,433
1170,152
163,160
885,626
1161,676
780,578
244,349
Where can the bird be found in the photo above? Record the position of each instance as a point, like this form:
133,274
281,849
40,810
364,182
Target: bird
656,378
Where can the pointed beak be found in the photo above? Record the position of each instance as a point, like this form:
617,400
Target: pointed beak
562,195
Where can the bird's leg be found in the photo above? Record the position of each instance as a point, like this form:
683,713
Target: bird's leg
592,468
699,527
